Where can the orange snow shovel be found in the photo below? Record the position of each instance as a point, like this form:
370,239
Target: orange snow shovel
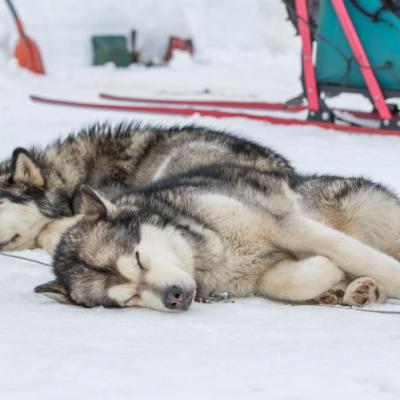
26,50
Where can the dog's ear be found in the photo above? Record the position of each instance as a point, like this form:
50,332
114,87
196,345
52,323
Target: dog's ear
54,290
93,204
24,169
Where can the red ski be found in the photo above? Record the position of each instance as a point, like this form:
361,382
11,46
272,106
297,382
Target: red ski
262,106
215,114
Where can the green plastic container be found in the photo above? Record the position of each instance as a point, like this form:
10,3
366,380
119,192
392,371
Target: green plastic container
111,49
381,41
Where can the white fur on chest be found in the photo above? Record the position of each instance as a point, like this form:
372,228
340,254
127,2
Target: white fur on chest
243,233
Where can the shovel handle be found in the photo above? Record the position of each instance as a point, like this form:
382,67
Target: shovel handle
16,18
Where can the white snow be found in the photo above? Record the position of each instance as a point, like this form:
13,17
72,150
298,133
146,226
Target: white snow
254,348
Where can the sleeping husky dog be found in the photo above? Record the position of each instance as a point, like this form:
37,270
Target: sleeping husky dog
38,188
232,229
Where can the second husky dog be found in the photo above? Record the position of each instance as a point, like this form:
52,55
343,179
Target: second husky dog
38,188
236,230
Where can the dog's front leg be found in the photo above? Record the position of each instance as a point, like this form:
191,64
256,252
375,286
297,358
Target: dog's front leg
51,234
301,235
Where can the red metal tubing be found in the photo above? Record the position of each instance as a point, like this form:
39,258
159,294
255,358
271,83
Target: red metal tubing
307,55
362,59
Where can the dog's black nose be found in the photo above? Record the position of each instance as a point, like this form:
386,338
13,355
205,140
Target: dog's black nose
176,298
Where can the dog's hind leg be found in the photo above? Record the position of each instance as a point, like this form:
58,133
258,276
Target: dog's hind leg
299,281
301,235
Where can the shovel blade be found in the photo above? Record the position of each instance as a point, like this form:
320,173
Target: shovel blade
28,55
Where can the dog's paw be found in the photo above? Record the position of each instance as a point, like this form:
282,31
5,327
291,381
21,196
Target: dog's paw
361,292
330,297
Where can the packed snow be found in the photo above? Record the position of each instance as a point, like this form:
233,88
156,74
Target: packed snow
252,348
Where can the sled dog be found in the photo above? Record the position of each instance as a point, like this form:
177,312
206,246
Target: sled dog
225,228
39,189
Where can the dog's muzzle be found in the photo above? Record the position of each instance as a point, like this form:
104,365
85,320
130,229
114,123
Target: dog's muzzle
176,298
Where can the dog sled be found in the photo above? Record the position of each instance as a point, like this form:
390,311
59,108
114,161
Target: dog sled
348,46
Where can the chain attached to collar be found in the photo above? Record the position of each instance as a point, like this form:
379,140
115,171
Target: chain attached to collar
217,297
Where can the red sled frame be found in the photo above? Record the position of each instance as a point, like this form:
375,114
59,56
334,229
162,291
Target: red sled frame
319,113
316,112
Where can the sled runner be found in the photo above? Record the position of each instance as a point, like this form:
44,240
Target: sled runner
235,104
216,114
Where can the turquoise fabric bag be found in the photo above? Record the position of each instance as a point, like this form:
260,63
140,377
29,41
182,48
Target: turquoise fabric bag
335,64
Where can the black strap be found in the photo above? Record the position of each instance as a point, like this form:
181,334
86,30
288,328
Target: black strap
313,10
385,5
391,5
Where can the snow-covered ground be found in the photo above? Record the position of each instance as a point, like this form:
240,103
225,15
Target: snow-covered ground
254,348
